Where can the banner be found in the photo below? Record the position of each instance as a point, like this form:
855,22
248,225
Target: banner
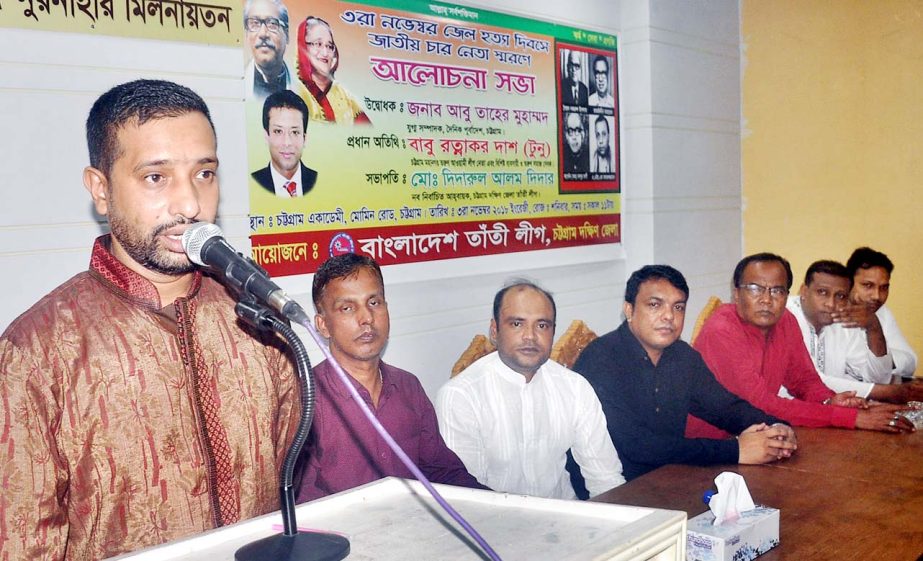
215,22
433,131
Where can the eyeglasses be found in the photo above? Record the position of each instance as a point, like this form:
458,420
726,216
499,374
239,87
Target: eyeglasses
320,45
273,25
574,131
757,290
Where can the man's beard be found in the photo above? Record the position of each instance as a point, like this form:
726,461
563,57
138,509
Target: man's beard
144,249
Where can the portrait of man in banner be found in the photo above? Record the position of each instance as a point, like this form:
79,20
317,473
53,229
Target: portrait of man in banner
285,122
573,84
602,160
602,94
266,30
576,158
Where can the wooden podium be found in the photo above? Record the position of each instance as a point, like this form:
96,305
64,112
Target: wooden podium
396,519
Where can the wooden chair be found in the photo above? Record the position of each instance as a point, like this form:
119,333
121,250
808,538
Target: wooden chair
479,346
706,312
569,346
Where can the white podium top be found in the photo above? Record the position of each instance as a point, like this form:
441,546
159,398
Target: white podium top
396,519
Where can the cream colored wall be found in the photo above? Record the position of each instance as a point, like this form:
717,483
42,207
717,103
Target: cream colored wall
832,139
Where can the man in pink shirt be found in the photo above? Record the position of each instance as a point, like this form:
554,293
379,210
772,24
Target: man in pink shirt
754,347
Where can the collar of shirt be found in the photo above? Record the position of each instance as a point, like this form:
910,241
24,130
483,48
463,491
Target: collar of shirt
279,181
130,284
794,306
630,342
510,376
282,77
813,340
336,386
751,331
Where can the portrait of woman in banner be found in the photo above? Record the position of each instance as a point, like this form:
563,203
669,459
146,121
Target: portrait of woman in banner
318,59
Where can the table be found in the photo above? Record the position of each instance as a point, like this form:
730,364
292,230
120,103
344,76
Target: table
845,495
394,519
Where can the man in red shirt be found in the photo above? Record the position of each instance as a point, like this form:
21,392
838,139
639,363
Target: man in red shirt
754,347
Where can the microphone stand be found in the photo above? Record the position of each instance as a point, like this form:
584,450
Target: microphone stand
290,545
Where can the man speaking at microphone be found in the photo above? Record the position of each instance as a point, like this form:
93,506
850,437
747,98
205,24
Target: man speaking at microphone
136,408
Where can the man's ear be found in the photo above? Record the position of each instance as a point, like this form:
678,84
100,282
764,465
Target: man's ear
321,325
493,332
803,291
98,186
628,310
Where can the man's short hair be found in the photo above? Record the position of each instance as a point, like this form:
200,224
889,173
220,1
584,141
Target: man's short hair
342,266
602,119
135,103
866,258
521,283
283,12
285,99
654,272
829,267
601,58
763,258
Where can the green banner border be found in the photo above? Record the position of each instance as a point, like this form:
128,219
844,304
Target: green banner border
486,17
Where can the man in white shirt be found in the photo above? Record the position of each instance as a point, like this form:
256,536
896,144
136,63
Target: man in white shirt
602,97
513,415
285,122
870,271
847,359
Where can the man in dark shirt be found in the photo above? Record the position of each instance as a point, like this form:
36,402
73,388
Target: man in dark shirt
343,450
648,381
573,90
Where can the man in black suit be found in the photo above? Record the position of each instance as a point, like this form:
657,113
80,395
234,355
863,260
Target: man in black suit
573,91
285,120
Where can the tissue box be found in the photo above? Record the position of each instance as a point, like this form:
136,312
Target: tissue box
754,533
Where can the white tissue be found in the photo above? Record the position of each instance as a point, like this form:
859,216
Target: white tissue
732,498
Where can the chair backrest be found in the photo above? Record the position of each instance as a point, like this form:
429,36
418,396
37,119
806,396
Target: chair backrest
479,346
569,346
707,311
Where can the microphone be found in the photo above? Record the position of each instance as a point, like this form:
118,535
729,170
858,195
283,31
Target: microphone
205,245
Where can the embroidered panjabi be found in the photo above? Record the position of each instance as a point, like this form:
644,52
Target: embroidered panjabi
127,424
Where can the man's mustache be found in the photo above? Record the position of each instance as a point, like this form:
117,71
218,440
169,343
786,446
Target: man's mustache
262,44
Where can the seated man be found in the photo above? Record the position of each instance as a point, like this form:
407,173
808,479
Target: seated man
843,356
512,415
871,274
648,381
343,450
754,347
